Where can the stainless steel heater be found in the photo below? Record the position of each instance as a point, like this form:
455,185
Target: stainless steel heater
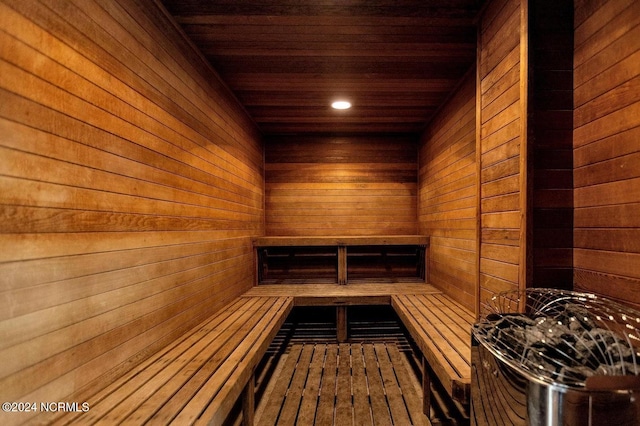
554,357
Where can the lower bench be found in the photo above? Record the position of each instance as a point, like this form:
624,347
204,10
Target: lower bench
442,330
198,378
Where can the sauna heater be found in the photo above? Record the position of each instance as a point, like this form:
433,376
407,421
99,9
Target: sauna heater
554,357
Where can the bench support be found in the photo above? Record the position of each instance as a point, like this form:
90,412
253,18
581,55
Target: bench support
342,265
248,401
426,388
341,323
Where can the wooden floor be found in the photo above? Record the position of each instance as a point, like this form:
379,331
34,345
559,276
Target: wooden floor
342,384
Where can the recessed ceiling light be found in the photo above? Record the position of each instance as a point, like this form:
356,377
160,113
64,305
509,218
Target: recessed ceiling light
341,105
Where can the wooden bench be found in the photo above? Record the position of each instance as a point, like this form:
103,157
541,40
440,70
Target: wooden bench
440,326
442,330
341,296
341,260
198,378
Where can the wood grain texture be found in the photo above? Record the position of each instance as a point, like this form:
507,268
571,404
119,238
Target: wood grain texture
447,195
199,377
502,147
351,186
442,330
395,61
309,294
551,128
357,383
606,148
131,185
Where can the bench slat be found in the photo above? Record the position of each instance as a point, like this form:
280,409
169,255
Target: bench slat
117,391
171,371
341,241
224,386
201,374
335,294
442,329
445,323
193,376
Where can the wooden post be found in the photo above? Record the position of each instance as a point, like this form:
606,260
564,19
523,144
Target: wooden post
341,323
342,265
426,388
248,402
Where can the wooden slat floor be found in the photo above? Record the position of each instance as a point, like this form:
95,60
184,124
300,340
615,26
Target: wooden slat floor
342,384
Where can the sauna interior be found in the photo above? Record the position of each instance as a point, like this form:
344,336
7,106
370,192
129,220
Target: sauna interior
176,193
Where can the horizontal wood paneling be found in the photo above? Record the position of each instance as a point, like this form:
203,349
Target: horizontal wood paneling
607,148
501,148
448,195
396,61
131,185
551,123
340,185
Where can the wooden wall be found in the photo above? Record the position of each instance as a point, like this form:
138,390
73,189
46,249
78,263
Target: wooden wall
550,115
447,195
330,185
607,148
130,189
502,147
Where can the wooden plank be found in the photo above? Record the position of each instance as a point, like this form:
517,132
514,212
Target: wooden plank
181,398
319,183
241,363
274,403
426,387
379,405
122,402
341,241
409,392
334,294
342,264
442,330
344,407
211,346
177,321
294,395
117,132
342,324
150,374
361,403
346,387
311,393
248,402
326,403
397,406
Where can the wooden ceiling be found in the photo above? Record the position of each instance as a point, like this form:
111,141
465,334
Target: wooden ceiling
287,60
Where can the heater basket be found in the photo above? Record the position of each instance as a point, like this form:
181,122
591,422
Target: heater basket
555,357
561,337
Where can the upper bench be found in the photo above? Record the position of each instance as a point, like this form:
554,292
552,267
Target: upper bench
341,259
279,241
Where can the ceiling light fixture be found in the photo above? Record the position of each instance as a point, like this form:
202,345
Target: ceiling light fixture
341,105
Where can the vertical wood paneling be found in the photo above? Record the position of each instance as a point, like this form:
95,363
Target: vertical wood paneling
502,147
131,184
448,195
317,185
607,148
